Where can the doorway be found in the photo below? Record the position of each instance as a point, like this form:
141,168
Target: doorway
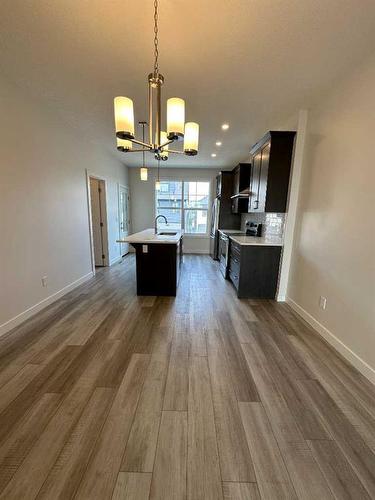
99,221
124,217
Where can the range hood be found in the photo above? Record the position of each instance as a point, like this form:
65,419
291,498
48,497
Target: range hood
245,193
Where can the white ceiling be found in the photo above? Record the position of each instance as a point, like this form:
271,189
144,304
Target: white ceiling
244,62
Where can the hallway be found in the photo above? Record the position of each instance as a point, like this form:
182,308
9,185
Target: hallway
204,396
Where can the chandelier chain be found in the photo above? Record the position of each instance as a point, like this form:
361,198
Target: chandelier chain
156,41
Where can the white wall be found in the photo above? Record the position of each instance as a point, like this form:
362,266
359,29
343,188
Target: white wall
142,200
334,249
43,203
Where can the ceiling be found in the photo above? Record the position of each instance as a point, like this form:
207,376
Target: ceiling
250,63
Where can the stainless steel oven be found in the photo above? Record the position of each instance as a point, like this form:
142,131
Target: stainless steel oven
223,254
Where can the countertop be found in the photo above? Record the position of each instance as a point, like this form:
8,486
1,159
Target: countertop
148,236
242,239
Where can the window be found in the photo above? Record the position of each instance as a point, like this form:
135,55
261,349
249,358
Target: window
185,204
169,203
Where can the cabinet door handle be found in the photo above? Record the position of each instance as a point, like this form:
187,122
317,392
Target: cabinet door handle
256,203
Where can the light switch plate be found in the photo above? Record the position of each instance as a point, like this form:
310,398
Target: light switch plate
144,248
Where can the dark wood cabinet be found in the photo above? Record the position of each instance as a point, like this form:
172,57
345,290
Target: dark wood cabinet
241,180
271,160
158,268
254,270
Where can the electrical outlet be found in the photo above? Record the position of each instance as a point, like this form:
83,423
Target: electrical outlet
44,280
322,302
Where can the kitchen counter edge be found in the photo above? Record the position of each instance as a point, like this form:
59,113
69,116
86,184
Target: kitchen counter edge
148,237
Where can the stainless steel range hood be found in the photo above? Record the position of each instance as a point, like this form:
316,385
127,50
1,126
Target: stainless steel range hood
245,193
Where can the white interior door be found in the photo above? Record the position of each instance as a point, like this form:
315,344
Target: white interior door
97,221
124,217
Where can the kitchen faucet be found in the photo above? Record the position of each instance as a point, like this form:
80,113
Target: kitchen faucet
156,222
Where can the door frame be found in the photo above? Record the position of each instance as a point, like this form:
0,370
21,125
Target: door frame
105,220
123,186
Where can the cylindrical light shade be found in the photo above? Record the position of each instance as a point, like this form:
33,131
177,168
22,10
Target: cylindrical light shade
191,138
144,173
163,140
157,185
124,117
175,117
124,145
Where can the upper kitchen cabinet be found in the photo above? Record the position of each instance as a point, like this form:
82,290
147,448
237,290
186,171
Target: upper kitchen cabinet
271,160
241,180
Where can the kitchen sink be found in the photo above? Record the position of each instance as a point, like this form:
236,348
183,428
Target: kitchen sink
165,233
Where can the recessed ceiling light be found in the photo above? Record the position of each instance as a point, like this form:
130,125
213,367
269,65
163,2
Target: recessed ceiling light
218,143
213,155
225,126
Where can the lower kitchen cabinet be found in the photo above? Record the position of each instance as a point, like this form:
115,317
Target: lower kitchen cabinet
254,270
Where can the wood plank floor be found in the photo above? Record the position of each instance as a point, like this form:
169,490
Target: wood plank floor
106,395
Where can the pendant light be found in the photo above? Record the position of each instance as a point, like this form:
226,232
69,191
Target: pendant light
176,129
144,169
157,183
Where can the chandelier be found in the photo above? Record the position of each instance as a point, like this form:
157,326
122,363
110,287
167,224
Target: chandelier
158,139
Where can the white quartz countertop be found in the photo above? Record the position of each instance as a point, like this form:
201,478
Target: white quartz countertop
149,236
242,239
231,231
269,241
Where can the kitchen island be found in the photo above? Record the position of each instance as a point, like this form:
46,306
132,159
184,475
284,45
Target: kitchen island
158,261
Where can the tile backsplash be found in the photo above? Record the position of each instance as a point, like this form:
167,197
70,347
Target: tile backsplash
273,223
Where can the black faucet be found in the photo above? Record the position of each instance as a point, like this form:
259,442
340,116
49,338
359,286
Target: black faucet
156,222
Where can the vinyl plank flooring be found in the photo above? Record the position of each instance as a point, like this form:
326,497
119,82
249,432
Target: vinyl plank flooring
203,468
340,476
361,388
241,491
357,453
104,395
141,446
41,383
235,459
17,384
39,461
358,416
101,474
308,420
169,476
8,373
242,380
299,461
132,486
65,475
279,334
19,443
272,477
176,390
20,345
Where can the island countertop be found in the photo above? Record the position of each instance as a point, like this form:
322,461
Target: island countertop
148,236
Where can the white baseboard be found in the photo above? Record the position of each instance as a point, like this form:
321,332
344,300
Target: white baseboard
348,354
20,318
